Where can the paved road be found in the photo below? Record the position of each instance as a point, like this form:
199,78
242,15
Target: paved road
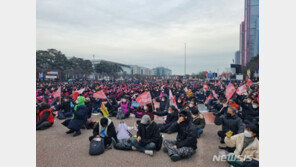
64,150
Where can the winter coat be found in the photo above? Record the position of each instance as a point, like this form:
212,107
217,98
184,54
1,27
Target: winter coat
171,118
238,142
110,129
80,118
233,123
199,122
187,134
164,105
150,133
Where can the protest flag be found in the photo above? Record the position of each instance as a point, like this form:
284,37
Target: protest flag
104,110
100,95
144,98
230,90
241,90
208,99
58,93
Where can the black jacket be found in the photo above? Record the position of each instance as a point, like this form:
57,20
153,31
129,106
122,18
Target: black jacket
163,105
111,132
150,133
173,117
199,122
233,123
187,134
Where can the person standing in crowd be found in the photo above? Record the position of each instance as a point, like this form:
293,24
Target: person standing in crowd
45,118
186,143
148,137
230,122
79,118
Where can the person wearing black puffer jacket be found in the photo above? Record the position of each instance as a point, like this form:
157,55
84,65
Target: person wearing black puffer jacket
230,122
186,142
172,117
148,136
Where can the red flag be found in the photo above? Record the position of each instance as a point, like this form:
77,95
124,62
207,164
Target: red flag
249,82
100,95
205,87
230,90
81,90
215,95
58,93
241,90
209,97
144,98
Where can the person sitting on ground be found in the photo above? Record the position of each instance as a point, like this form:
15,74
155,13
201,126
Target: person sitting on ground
125,106
172,117
146,110
148,137
106,130
163,104
246,146
80,117
112,106
198,121
186,143
45,118
230,122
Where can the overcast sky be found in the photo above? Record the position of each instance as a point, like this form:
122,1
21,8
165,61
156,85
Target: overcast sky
148,33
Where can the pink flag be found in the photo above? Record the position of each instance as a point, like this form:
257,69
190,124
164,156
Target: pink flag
58,93
186,90
241,90
172,99
209,97
144,98
215,95
100,95
81,90
205,87
249,82
230,90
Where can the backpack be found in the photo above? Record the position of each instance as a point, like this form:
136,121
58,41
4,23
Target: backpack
96,147
122,131
120,114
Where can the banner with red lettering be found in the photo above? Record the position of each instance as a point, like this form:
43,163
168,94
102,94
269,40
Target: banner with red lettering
144,98
249,82
230,90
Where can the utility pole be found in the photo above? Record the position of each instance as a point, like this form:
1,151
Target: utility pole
185,61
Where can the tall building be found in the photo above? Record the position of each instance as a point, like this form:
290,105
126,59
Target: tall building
162,71
242,43
249,34
237,57
141,70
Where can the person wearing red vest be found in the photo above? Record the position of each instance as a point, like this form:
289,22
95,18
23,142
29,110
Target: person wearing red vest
45,118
